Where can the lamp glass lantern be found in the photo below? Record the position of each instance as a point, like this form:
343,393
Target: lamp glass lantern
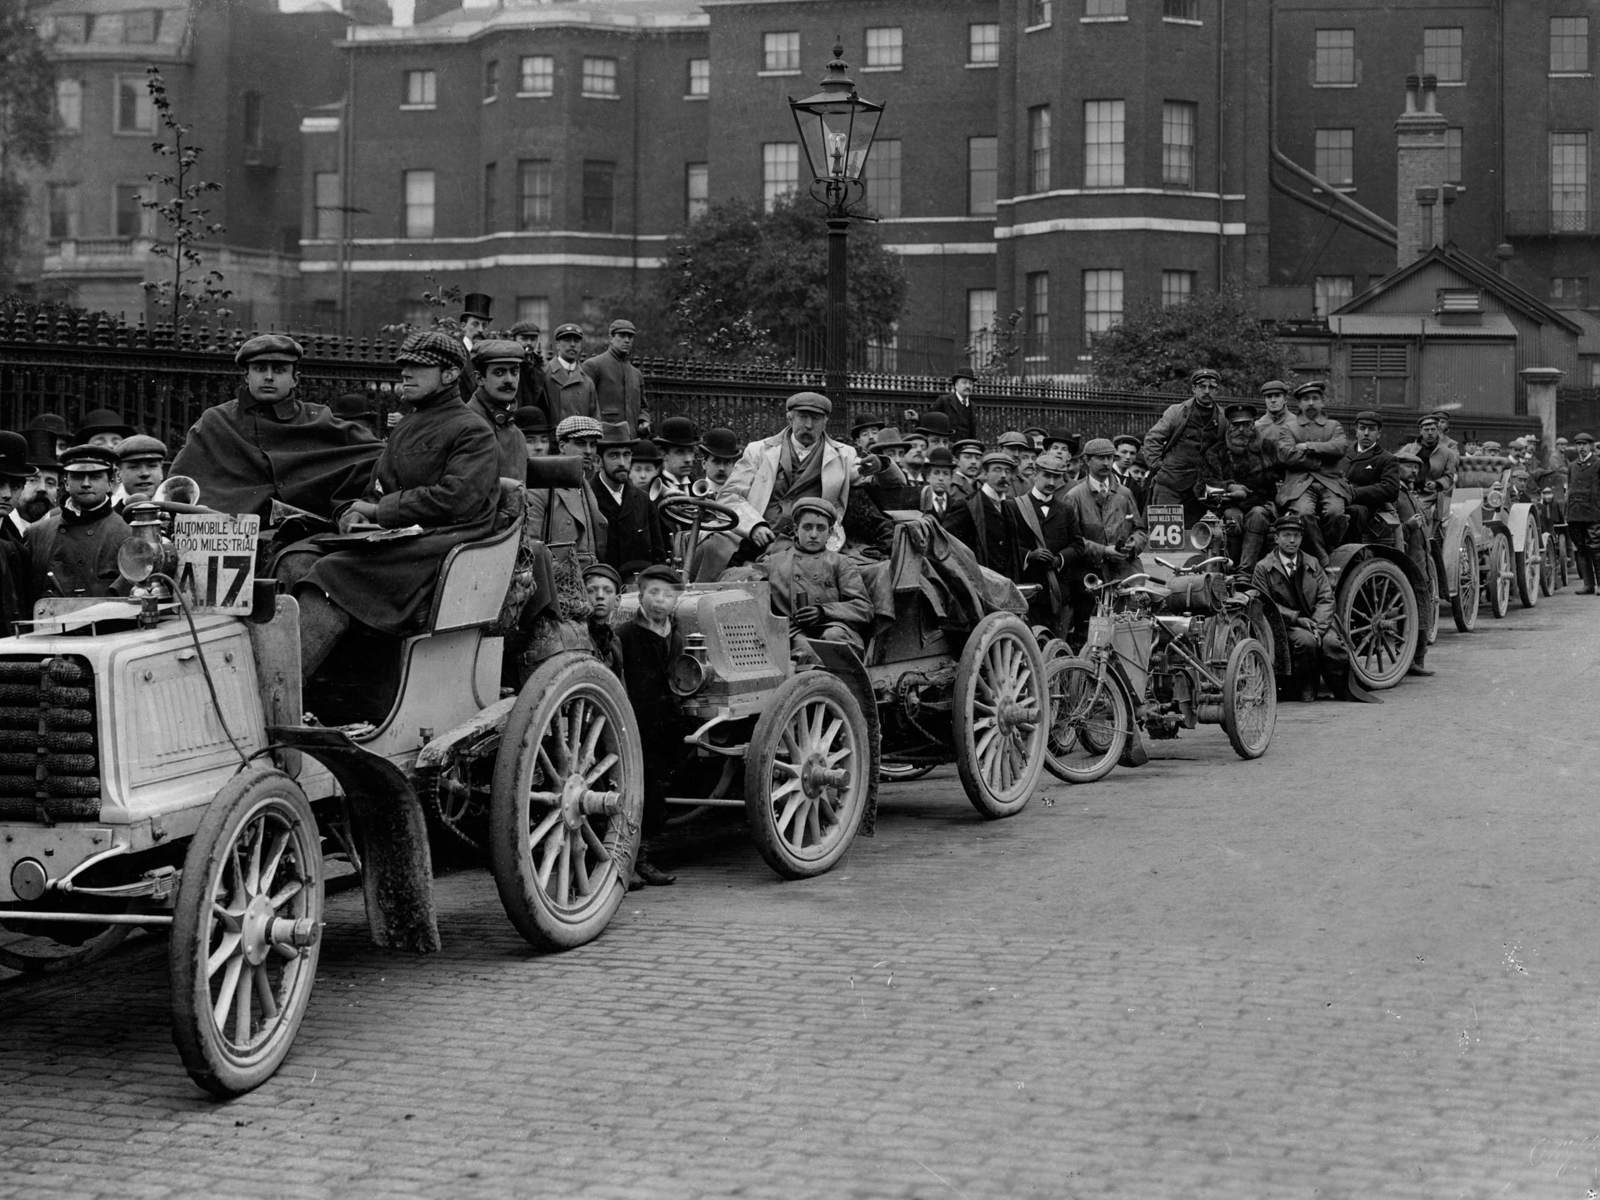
837,127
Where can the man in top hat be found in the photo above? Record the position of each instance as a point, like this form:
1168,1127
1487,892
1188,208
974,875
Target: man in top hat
719,450
1311,451
73,550
1247,473
1111,529
634,536
102,427
535,428
618,384
969,467
48,437
820,590
1415,525
988,526
774,472
1297,584
477,310
864,430
1048,529
678,438
956,404
568,390
268,444
1181,443
935,426
499,363
1372,473
530,384
1440,464
1583,510
141,466
1273,422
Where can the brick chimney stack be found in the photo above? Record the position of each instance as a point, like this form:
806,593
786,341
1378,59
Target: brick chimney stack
1421,165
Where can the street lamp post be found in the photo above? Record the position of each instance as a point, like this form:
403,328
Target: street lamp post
836,128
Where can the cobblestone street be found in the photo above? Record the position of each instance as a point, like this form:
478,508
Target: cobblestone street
1364,965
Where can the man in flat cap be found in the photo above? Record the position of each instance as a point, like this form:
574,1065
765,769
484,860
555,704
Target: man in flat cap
530,383
141,466
1583,509
1111,530
618,384
1248,475
499,363
568,390
819,590
956,404
986,523
774,472
634,536
1373,475
1296,583
1048,529
1440,464
1275,399
568,518
268,444
1311,451
1182,442
439,470
73,550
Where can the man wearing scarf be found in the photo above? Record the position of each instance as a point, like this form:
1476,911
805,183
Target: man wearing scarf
268,444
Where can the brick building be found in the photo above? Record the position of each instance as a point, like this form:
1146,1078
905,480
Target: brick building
239,74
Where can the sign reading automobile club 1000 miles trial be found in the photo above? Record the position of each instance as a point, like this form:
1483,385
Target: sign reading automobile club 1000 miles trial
216,560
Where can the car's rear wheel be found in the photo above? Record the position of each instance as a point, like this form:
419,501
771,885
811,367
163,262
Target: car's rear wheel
1498,574
1467,596
1378,609
1000,709
1530,564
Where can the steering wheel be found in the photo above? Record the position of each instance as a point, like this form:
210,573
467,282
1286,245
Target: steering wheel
690,512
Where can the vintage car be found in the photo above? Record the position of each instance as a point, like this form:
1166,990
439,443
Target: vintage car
799,745
1503,505
161,770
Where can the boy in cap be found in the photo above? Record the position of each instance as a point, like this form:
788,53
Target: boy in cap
268,444
618,384
604,584
819,590
141,466
73,551
569,392
499,363
651,643
645,469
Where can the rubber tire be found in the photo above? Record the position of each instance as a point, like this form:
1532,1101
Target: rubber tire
546,924
1428,606
1528,586
997,628
903,772
210,1056
1232,685
1467,599
809,688
1120,725
1496,581
1367,574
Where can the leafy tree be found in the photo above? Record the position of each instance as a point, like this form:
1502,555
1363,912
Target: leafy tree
741,283
1154,346
191,289
27,122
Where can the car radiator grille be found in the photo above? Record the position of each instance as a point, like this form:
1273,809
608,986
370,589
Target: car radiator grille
49,757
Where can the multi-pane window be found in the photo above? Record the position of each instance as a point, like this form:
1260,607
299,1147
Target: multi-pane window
983,44
418,191
1336,56
534,191
981,306
491,79
328,202
1102,302
1331,292
1039,148
780,171
135,113
1441,54
490,186
885,46
1177,287
599,77
1180,10
882,178
69,105
1178,119
1105,8
1452,154
1335,161
535,309
1569,291
599,195
536,75
696,189
1104,149
982,168
699,77
1569,182
1037,288
421,89
129,218
1038,12
1569,45
780,51
61,208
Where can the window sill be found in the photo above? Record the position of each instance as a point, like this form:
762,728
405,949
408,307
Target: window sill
418,107
599,96
1452,83
534,95
697,95
770,74
1347,190
1122,20
1571,74
1035,28
138,133
1335,85
983,66
1190,21
881,70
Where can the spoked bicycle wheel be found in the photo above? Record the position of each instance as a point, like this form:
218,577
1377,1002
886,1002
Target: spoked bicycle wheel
1091,720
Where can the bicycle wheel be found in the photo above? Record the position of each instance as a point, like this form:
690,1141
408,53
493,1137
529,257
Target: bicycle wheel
1090,720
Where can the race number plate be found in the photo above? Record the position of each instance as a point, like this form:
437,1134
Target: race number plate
216,560
1166,526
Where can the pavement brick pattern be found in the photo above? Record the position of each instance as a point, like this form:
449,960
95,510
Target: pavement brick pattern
1363,966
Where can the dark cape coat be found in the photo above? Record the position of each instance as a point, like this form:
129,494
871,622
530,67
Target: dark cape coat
439,470
244,455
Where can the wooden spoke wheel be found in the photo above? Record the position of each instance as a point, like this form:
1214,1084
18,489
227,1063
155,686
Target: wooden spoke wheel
1465,599
1000,707
1529,564
1548,582
808,775
1250,699
1498,575
1091,720
1378,609
567,801
1428,606
246,932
